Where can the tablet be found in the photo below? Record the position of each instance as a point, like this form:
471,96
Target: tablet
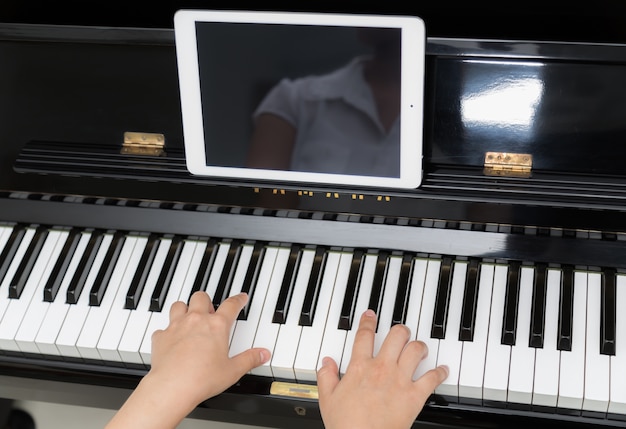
308,98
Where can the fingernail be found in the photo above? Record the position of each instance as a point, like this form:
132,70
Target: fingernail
369,313
326,361
265,355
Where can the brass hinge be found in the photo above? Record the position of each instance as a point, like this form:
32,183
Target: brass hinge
508,164
152,144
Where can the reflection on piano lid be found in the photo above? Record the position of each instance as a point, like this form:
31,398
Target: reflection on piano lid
514,283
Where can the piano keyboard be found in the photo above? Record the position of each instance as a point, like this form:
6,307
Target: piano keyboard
523,335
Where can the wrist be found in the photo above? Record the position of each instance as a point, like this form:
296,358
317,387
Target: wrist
166,391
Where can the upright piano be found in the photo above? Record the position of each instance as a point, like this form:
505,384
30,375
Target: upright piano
508,260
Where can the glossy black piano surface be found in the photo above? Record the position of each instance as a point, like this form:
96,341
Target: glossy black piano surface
70,91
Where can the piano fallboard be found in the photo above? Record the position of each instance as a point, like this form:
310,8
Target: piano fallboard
403,234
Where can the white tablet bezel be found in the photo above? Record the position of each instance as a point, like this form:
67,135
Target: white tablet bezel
412,97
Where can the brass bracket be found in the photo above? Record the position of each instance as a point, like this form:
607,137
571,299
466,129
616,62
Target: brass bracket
295,390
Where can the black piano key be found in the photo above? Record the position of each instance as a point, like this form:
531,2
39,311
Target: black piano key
349,301
313,288
566,309
608,313
509,324
470,301
254,268
143,270
538,309
28,261
252,276
206,266
404,288
10,248
228,272
164,281
287,285
53,284
77,284
378,283
440,314
106,269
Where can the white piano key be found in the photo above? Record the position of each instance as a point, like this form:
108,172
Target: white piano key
572,375
498,355
522,369
93,324
53,321
243,335
474,352
161,319
138,321
596,397
289,333
189,276
426,318
305,365
362,301
245,258
5,233
4,286
334,338
267,331
218,267
75,317
450,348
17,308
37,309
617,402
243,263
547,358
118,316
418,278
388,301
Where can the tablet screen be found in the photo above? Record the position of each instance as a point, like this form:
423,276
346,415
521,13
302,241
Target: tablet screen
309,98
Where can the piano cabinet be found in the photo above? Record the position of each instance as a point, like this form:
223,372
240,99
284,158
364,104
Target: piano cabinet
72,91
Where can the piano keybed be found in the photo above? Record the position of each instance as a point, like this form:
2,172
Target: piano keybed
518,333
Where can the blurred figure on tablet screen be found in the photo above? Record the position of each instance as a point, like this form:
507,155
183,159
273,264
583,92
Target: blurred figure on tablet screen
344,122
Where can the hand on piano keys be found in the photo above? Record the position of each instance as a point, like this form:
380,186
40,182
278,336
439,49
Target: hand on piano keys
191,363
377,390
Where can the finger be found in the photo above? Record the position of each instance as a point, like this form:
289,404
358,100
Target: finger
363,346
177,310
200,302
394,343
327,378
412,355
427,383
249,359
231,307
158,333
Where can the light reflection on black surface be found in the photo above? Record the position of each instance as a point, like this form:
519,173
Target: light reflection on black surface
570,116
502,106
